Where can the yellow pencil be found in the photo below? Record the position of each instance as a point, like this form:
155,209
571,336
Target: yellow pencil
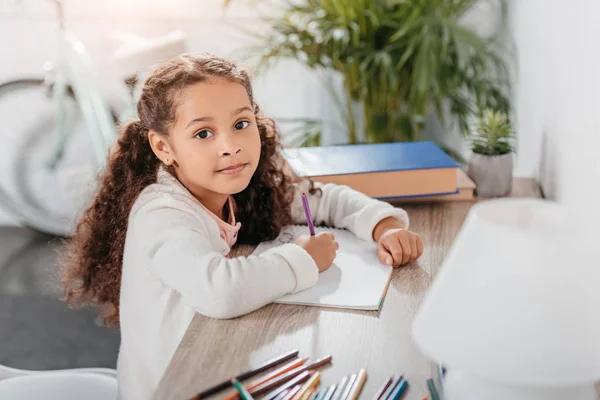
310,384
307,395
358,385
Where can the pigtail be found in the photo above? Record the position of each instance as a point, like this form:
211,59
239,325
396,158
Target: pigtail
91,263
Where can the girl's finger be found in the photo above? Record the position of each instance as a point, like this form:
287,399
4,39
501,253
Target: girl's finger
406,249
384,255
413,248
396,250
419,246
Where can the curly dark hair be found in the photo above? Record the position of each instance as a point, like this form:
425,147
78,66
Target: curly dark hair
90,264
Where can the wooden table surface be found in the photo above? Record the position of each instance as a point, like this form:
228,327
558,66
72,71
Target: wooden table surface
379,341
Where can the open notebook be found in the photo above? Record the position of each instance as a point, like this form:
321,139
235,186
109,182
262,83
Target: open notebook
356,280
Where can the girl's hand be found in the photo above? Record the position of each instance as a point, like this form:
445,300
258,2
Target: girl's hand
398,247
322,248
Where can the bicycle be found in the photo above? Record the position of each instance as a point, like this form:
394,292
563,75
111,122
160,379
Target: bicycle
54,169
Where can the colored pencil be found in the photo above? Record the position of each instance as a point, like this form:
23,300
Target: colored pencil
383,388
244,395
432,390
269,364
282,395
340,388
441,371
319,394
289,375
286,368
329,393
400,388
348,387
312,383
308,214
392,387
303,377
358,385
313,396
308,394
292,394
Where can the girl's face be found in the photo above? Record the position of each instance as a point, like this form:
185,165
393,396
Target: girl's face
214,142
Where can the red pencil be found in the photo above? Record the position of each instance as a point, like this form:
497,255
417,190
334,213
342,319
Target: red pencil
275,382
286,368
383,388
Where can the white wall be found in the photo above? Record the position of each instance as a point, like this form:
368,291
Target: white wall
486,19
28,38
558,97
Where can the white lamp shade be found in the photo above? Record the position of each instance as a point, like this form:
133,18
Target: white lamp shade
517,298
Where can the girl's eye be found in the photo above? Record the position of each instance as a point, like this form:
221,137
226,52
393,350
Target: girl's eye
203,134
241,125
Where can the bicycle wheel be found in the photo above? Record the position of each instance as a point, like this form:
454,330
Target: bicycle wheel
45,198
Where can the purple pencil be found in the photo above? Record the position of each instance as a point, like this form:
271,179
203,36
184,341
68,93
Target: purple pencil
309,221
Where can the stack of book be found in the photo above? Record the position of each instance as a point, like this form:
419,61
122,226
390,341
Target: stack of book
407,172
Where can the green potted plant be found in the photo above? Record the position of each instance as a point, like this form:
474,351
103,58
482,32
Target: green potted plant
400,60
492,144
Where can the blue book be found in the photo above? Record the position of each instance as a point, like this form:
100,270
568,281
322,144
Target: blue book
383,171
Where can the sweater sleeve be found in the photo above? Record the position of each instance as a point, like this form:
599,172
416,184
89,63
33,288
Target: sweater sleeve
342,207
181,256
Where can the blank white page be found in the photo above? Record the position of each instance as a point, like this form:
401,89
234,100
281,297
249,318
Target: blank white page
356,280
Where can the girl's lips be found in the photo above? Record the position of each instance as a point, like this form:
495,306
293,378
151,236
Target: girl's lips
234,169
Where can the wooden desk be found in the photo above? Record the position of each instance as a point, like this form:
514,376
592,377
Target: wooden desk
379,341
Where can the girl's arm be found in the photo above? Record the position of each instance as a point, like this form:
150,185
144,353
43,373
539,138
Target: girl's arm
182,257
343,207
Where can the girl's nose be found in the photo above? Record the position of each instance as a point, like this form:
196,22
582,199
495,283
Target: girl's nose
229,146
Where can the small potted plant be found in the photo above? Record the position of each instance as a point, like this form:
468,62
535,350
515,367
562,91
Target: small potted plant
491,165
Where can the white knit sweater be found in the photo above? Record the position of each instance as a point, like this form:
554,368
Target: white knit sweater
174,266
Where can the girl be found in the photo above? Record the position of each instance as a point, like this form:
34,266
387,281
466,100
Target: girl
198,172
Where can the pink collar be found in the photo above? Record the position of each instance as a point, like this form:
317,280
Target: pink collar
229,230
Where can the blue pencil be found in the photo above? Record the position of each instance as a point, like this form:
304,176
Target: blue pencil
441,371
320,395
387,395
397,393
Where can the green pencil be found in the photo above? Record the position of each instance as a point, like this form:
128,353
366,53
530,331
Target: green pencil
432,390
244,395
